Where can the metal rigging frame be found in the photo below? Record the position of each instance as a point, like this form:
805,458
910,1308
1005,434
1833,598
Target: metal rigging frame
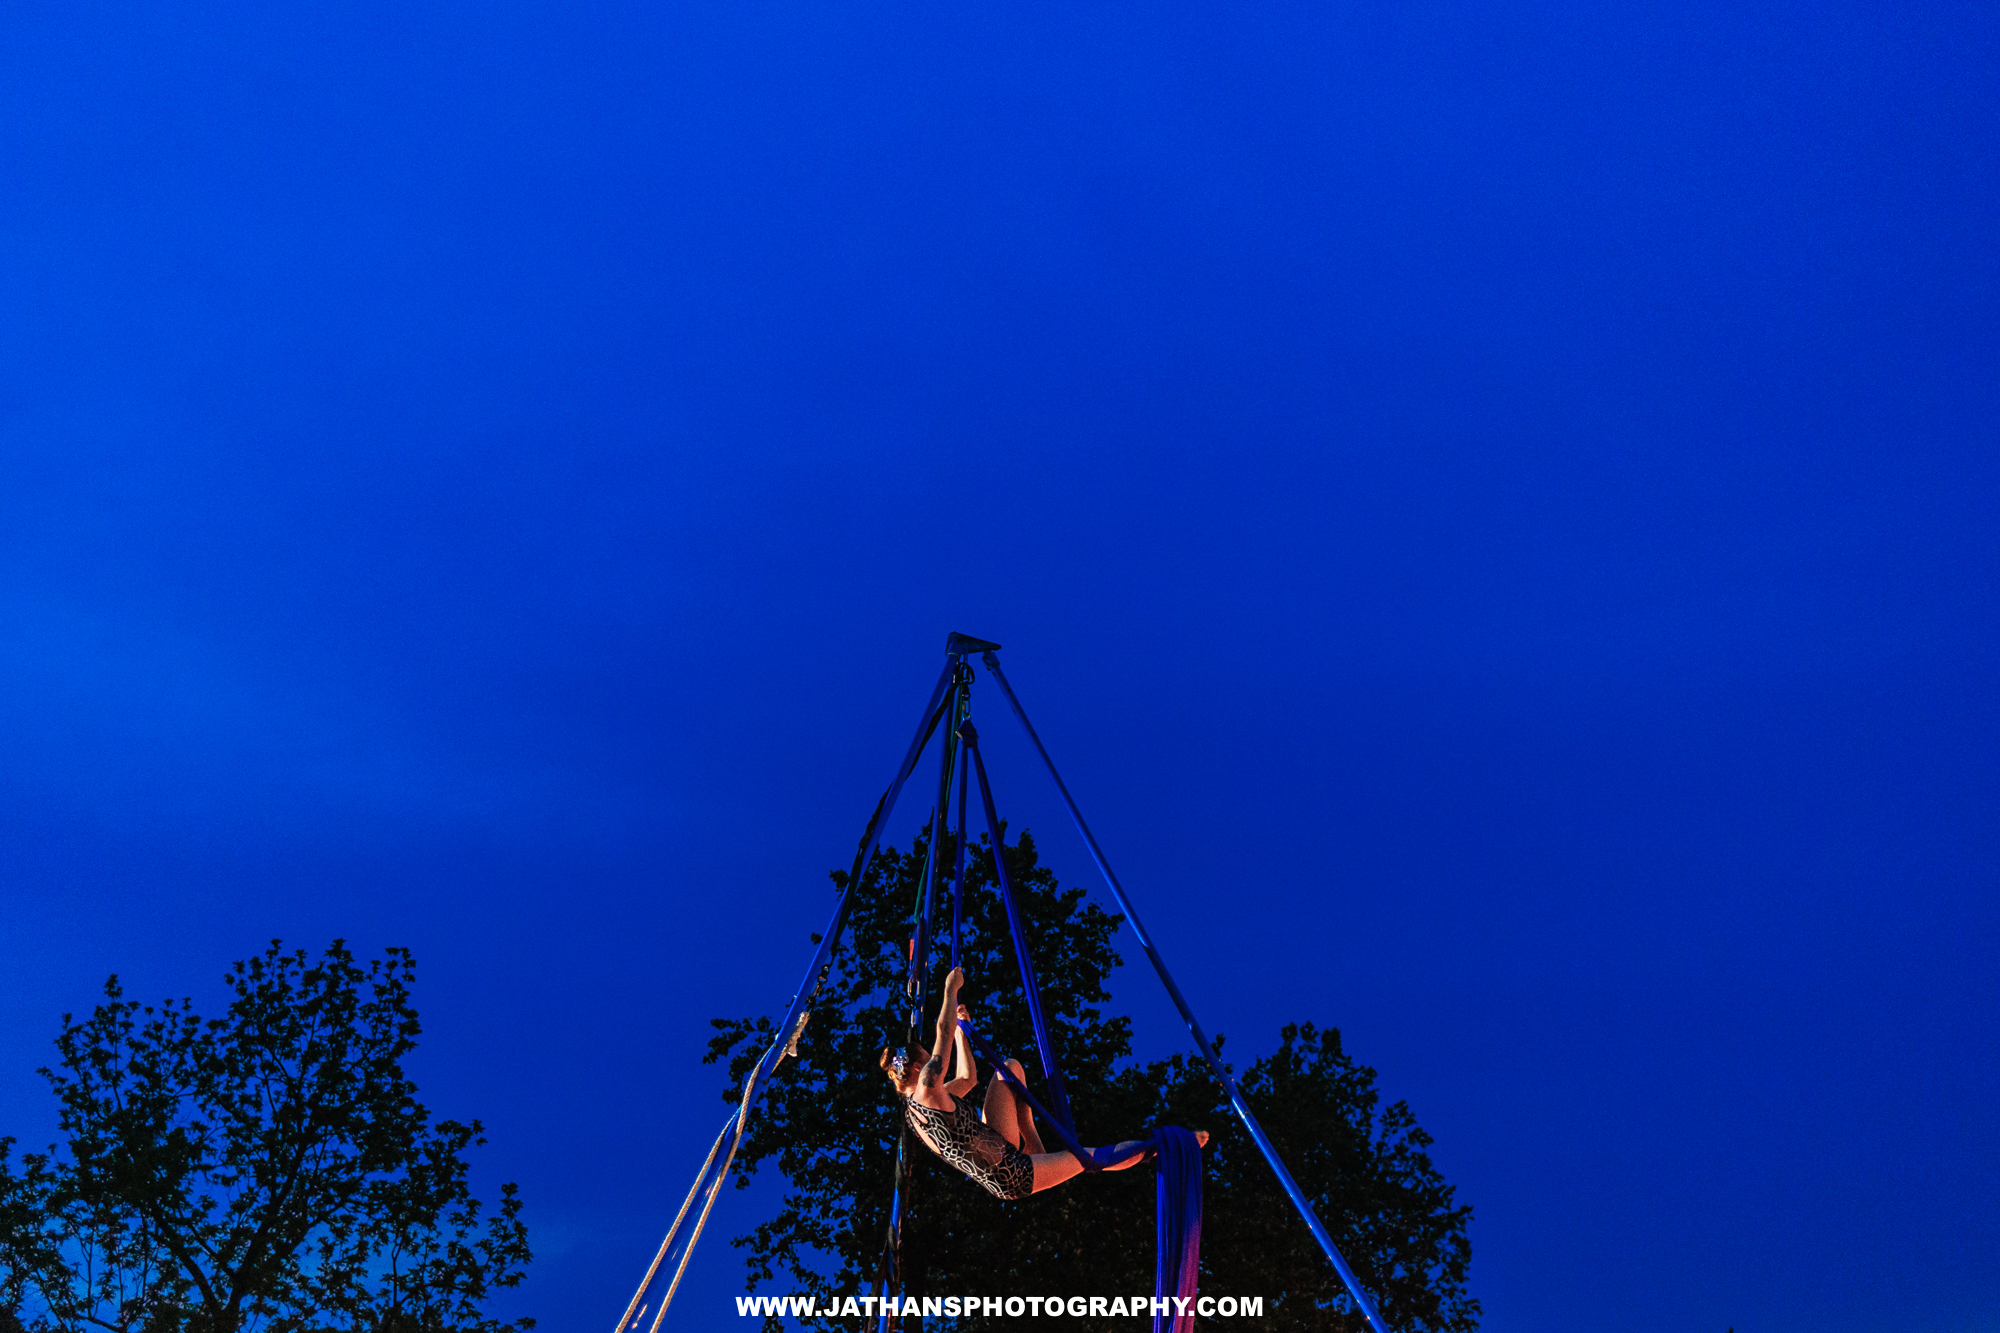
950,702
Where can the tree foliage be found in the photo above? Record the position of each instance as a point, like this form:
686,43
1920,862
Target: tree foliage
831,1125
268,1171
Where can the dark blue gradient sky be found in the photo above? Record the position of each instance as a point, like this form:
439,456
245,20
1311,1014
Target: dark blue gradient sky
1494,506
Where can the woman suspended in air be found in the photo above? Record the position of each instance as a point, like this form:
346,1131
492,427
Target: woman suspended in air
998,1147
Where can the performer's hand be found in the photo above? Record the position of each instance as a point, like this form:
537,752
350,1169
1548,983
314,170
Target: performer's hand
963,1017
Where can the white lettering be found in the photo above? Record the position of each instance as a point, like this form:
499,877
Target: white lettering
1013,1307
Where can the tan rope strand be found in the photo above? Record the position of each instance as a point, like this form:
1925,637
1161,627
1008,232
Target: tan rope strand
742,1122
667,1243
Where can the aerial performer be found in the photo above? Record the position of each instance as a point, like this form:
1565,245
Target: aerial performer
998,1148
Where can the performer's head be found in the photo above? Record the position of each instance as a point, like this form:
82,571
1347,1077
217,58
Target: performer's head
903,1064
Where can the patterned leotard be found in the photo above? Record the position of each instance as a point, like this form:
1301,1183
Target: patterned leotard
965,1141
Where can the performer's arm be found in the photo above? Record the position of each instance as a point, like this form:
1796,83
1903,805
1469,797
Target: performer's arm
947,1024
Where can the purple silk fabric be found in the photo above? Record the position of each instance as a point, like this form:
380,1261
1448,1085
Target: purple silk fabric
1176,1224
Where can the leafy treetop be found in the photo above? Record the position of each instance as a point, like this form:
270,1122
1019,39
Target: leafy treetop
268,1170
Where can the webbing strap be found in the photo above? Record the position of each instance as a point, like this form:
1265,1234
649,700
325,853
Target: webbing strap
1044,1044
958,869
920,933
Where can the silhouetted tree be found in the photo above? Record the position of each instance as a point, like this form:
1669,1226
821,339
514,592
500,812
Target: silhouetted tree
270,1171
831,1126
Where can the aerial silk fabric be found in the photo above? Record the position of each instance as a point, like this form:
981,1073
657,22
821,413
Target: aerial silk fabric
1176,1225
1176,1193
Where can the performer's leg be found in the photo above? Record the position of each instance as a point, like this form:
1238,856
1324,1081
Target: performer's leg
1031,1139
1053,1168
1003,1109
1009,1113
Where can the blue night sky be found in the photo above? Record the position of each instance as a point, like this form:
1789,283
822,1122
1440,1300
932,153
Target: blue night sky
1493,506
